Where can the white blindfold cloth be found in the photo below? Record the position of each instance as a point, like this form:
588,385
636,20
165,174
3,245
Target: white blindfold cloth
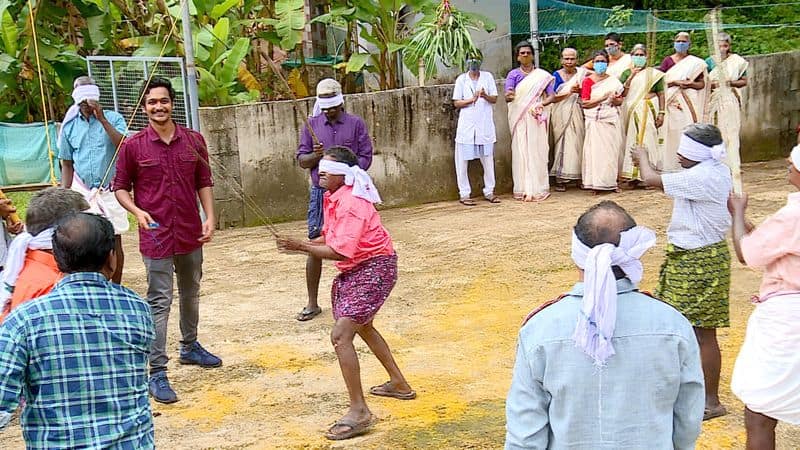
325,103
16,259
79,95
795,157
695,151
355,176
598,315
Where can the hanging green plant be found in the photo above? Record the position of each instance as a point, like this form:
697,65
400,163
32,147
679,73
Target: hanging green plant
444,37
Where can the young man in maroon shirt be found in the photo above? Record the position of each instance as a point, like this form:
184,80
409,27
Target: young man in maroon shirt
166,166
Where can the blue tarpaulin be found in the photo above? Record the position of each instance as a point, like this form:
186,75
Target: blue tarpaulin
24,154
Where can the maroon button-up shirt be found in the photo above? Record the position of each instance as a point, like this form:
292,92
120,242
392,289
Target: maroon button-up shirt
165,179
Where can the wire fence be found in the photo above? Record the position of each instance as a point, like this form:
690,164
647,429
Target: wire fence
120,79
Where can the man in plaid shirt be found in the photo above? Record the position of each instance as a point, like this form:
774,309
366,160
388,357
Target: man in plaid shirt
79,354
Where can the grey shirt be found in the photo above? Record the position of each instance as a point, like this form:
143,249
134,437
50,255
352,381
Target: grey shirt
649,395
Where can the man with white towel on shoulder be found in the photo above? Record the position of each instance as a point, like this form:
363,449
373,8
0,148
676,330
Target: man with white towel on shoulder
605,366
88,143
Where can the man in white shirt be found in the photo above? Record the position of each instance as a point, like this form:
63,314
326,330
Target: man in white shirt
474,94
696,274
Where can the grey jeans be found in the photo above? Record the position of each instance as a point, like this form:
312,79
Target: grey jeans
188,269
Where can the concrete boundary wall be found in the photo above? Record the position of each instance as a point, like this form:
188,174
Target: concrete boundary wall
253,146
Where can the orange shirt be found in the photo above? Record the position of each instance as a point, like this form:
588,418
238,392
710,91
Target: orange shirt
352,227
37,278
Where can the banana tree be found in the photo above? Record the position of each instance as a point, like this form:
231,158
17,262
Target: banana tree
382,24
443,36
63,28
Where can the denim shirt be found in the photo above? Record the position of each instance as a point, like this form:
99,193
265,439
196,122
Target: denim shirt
649,395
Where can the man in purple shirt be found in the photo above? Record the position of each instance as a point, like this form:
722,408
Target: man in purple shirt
166,166
332,127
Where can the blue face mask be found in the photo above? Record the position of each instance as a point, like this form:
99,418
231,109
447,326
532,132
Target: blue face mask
612,49
681,47
639,61
474,64
600,67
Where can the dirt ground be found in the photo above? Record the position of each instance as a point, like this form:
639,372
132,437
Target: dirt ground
467,278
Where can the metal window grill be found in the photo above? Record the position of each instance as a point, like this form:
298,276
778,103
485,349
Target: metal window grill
120,78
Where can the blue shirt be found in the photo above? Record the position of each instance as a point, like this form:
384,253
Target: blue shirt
79,356
649,395
88,146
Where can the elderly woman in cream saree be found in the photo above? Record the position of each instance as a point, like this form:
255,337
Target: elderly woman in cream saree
644,100
530,149
685,99
725,102
601,96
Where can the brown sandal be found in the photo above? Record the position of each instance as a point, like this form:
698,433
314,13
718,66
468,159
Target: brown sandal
384,390
493,199
467,202
354,429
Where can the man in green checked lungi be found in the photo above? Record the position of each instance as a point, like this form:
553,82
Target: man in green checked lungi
696,275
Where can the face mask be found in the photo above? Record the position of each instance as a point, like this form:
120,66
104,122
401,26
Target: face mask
474,65
600,67
681,47
639,61
612,50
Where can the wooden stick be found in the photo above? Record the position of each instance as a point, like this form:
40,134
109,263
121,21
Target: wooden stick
277,72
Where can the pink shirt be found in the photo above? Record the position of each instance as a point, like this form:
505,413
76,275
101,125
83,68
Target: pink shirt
353,228
775,246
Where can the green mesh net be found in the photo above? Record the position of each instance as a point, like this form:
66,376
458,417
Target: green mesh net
567,19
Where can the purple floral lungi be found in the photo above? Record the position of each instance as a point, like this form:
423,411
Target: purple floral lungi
359,293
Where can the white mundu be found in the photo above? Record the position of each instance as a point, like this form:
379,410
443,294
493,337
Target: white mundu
475,135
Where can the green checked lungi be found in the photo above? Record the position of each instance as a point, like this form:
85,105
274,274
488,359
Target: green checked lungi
697,283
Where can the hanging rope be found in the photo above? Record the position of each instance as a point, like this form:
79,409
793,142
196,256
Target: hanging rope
141,95
51,155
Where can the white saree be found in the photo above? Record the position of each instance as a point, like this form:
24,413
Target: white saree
684,107
603,140
724,110
567,130
642,109
529,142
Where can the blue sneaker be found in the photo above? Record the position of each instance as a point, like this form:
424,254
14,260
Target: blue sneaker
194,353
160,389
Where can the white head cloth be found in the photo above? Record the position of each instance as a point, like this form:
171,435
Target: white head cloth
325,103
795,157
353,176
329,94
16,259
695,151
80,94
598,316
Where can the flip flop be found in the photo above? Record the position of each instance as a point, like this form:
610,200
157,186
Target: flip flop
561,188
716,412
493,199
355,429
384,391
467,202
306,315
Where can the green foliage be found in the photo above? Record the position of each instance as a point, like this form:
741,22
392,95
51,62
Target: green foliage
619,16
290,22
746,41
445,37
384,24
60,27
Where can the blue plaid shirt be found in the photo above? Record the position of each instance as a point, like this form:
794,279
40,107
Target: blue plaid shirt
79,356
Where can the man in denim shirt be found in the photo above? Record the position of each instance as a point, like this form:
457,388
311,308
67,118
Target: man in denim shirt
627,376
